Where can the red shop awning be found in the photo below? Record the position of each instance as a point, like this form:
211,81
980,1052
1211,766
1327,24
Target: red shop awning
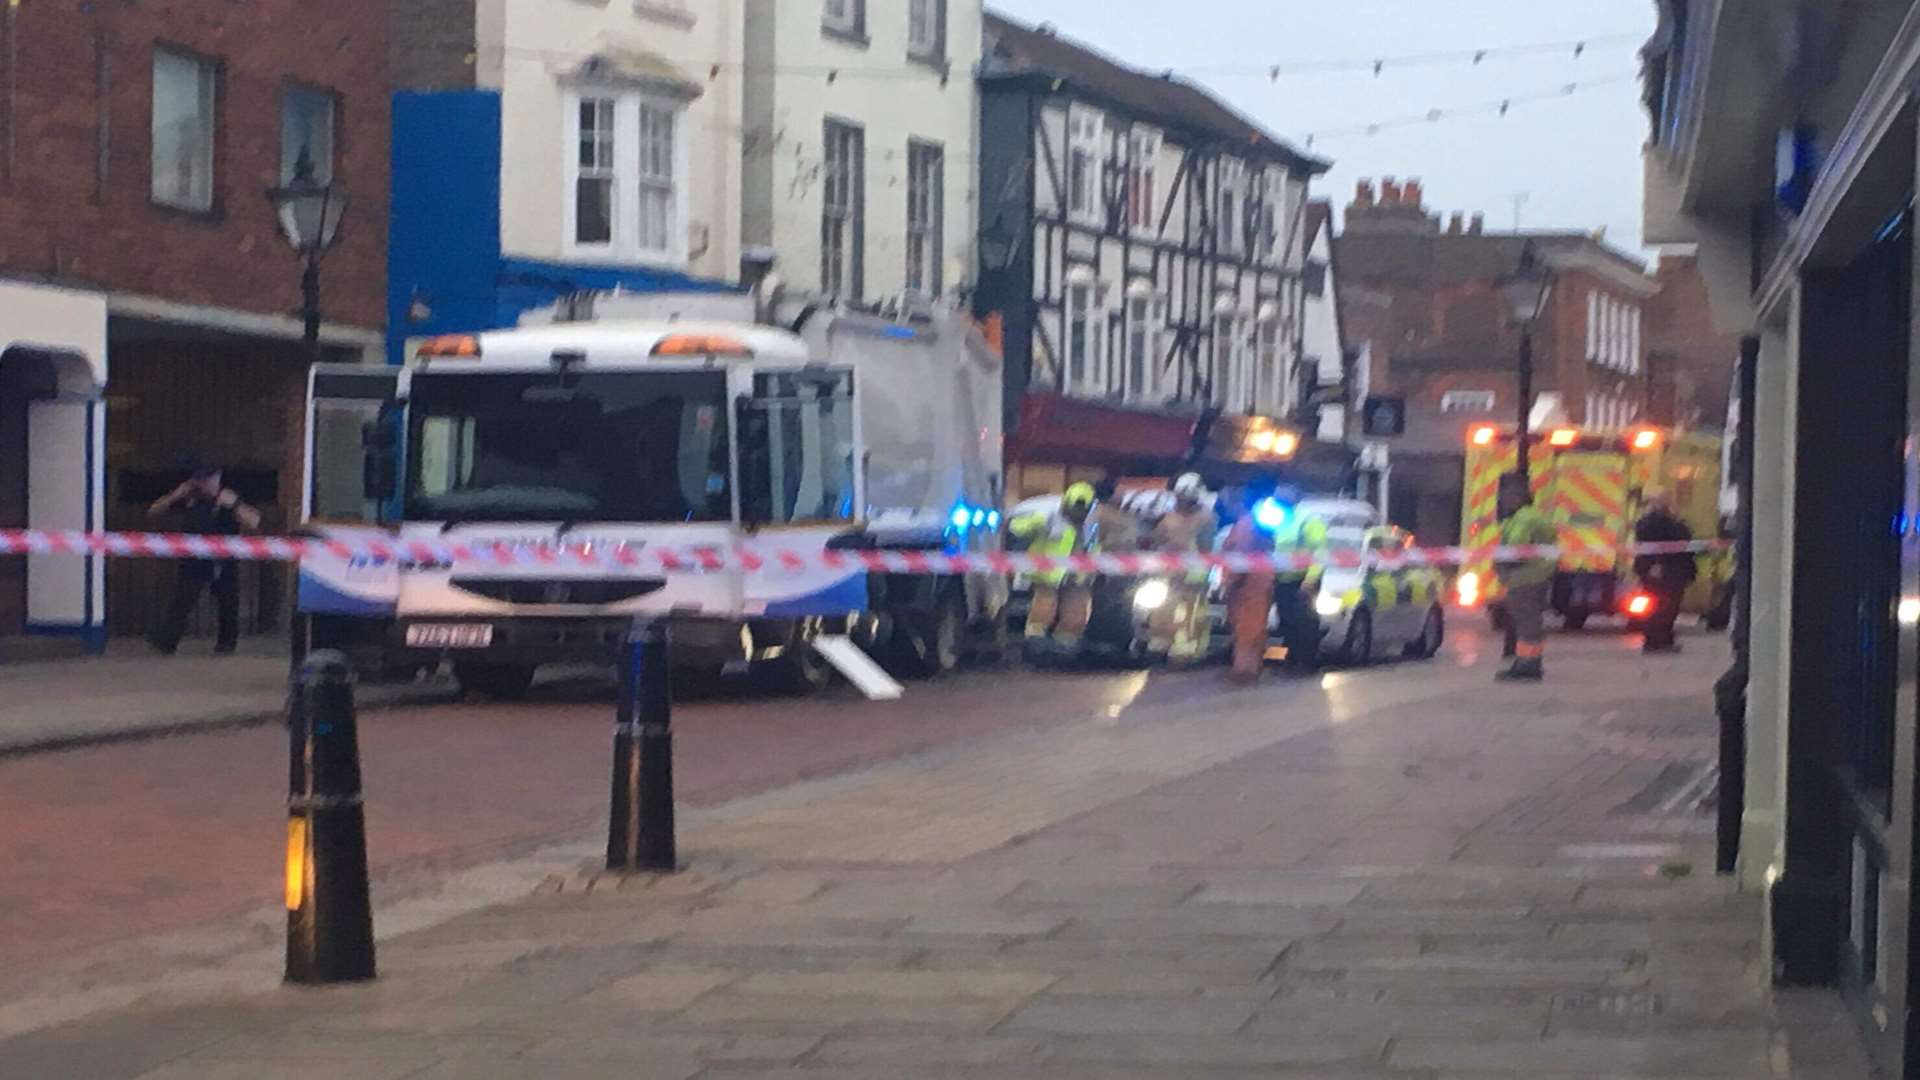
1055,427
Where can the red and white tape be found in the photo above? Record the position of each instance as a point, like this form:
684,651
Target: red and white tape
655,559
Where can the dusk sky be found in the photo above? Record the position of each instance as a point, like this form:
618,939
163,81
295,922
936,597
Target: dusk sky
1575,158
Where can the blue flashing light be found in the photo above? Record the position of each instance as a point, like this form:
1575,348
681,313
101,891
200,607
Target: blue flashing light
993,519
979,518
902,333
1271,513
961,517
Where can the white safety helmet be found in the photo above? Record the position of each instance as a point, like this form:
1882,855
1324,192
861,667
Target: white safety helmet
1190,486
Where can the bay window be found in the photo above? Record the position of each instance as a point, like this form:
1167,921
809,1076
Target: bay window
626,176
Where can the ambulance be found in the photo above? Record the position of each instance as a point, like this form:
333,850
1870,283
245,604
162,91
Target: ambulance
1591,484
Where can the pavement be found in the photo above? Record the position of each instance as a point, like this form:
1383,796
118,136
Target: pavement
130,692
1406,873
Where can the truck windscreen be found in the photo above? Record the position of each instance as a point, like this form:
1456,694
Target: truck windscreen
641,446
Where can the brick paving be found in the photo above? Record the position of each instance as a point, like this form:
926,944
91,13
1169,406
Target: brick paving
1405,873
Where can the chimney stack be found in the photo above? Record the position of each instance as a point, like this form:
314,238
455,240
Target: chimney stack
1477,225
1411,194
1363,195
1389,191
1456,223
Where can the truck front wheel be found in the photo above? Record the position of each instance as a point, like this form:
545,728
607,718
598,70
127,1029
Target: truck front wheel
935,641
797,671
501,682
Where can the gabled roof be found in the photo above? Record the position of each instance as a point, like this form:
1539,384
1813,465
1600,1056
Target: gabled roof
1015,50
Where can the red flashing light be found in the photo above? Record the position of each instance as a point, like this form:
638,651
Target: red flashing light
1563,437
1482,435
1645,439
1639,604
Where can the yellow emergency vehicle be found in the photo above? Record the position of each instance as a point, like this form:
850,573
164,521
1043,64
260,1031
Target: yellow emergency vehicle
1590,485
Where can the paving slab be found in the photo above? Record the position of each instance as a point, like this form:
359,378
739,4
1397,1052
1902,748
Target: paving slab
1401,874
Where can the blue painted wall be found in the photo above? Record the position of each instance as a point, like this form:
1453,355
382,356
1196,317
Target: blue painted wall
444,240
444,243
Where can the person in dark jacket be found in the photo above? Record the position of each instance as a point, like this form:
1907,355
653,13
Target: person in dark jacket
1664,577
208,508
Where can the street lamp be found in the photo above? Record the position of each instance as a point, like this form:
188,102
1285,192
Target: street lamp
1525,291
310,213
999,244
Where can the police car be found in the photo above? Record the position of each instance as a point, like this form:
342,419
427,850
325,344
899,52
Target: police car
1367,608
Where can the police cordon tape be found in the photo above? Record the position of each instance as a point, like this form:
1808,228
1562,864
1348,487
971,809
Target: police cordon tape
703,560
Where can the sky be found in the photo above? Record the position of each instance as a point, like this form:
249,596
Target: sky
1575,158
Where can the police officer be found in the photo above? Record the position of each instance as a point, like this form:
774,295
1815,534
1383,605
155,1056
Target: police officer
1294,585
1664,577
210,509
1527,580
1178,628
1062,602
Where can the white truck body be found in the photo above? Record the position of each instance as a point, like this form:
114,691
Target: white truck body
682,433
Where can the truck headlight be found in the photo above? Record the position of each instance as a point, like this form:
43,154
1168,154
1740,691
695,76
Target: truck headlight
1150,595
1327,605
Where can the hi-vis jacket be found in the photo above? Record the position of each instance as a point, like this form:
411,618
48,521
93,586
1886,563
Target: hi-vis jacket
1297,535
1528,526
1055,534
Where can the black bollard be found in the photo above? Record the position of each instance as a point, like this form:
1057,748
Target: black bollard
640,826
329,912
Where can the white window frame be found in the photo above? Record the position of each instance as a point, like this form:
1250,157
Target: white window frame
198,192
927,29
1593,326
1227,361
1138,341
1085,202
1470,401
1142,215
1228,220
1606,331
1276,220
631,176
1270,396
851,217
1633,340
1083,314
926,215
605,107
322,150
843,16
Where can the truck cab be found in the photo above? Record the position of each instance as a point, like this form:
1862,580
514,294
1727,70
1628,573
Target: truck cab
543,445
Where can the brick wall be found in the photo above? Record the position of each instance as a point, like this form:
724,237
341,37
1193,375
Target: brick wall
75,187
432,44
1691,362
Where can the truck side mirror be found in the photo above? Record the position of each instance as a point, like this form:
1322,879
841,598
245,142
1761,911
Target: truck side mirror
753,436
380,462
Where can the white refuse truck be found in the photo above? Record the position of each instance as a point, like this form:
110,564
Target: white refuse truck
686,423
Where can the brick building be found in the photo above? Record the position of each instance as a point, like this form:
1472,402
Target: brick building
1421,297
139,144
1689,361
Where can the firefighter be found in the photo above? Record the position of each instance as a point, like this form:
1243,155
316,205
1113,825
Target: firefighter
1527,580
1664,577
1294,585
1179,629
1062,602
1250,594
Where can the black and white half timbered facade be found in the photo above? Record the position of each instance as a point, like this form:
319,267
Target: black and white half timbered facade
1142,244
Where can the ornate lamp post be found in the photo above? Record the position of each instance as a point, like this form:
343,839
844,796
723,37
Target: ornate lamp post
310,213
1526,292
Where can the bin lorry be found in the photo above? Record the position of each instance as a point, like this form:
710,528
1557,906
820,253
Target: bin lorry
1590,483
716,422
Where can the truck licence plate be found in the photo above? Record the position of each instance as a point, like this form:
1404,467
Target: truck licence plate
449,636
